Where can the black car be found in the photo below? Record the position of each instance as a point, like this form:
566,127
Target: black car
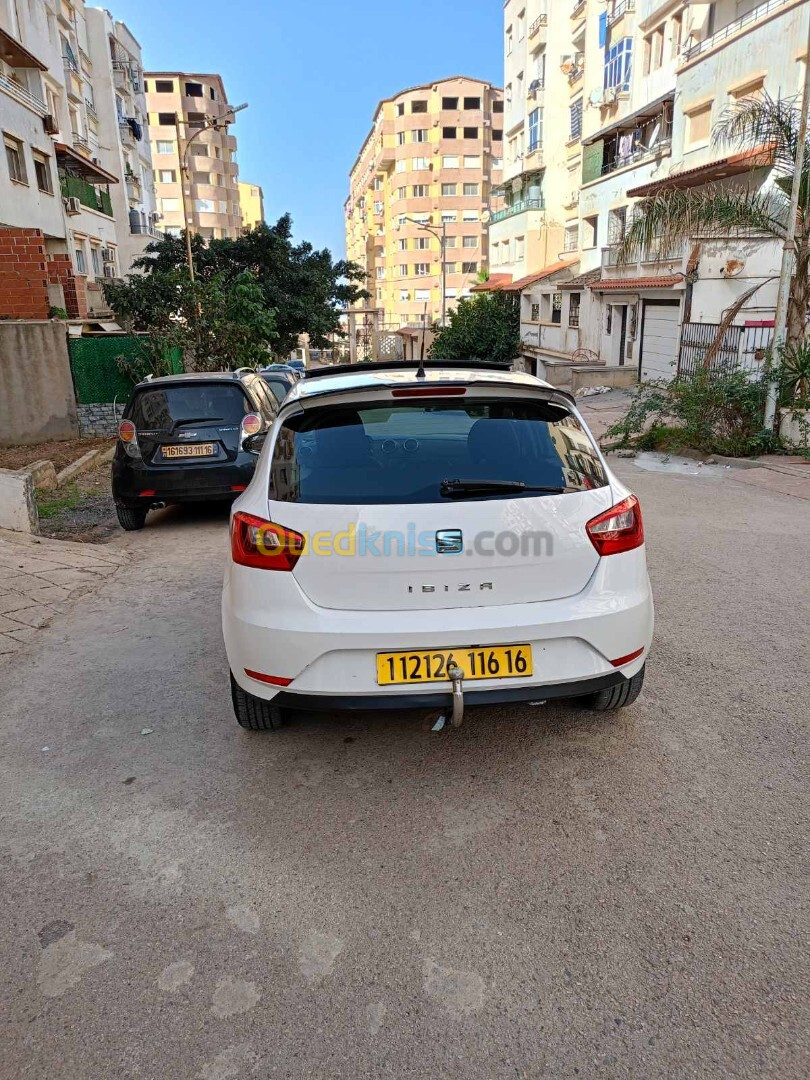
181,439
279,381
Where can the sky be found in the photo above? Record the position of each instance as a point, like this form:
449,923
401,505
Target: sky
312,72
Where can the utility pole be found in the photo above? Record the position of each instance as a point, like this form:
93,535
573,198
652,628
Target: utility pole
789,248
441,235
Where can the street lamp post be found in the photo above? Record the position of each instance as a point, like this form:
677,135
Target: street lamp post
441,235
210,124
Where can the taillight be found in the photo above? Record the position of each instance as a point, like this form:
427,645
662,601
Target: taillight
617,529
251,424
127,431
264,544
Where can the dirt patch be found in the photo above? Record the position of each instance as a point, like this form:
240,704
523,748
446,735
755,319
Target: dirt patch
83,510
60,453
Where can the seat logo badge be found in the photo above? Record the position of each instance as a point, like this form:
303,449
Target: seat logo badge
449,542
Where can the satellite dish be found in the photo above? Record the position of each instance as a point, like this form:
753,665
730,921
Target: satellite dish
596,96
733,267
567,65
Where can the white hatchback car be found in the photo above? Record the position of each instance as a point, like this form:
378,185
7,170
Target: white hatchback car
432,539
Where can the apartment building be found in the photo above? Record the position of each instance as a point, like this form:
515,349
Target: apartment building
251,204
189,118
420,188
67,148
643,83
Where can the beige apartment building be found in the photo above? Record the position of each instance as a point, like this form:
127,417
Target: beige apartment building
251,203
421,185
183,109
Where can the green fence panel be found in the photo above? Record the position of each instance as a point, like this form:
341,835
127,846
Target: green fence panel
97,376
592,160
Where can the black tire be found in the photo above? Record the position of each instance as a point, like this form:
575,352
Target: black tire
130,519
615,697
253,713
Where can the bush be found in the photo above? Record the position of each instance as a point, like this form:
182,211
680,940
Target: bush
708,411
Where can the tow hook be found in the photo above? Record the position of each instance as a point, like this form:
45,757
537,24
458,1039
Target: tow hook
457,678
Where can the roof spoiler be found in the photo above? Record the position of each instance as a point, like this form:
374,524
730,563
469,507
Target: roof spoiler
405,365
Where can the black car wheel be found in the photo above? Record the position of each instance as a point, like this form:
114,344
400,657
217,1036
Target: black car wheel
253,713
130,519
615,697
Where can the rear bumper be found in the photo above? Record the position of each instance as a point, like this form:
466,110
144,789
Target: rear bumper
191,483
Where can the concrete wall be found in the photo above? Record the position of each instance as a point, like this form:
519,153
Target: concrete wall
36,388
18,508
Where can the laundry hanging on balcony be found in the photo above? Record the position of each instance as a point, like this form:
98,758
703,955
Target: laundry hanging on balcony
135,128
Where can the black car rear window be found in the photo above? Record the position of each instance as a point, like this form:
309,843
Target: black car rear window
162,408
279,387
401,452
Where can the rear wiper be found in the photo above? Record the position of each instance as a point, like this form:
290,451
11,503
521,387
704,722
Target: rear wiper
195,420
459,489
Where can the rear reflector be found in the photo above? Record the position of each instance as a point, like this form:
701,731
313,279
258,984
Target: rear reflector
618,529
147,493
429,391
622,660
263,544
238,487
274,680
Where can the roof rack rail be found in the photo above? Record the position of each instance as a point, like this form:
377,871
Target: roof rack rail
241,371
402,365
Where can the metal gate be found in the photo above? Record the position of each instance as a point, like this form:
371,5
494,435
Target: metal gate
743,348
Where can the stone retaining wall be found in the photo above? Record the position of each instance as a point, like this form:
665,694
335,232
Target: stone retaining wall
100,419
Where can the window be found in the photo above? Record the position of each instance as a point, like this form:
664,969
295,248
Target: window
497,134
15,156
520,247
166,119
402,245
420,135
380,273
573,309
469,241
422,296
617,65
699,125
535,316
81,261
205,206
449,132
169,206
167,176
419,106
198,150
470,215
421,191
450,241
556,308
378,207
194,89
164,86
400,138
404,296
42,168
377,184
677,34
469,268
451,267
449,189
202,178
472,103
470,189
521,25
617,219
95,258
575,120
535,128
472,161
401,165
164,147
451,294
449,102
590,231
172,230
402,193
470,132
403,269
571,238
510,43
497,163
420,163
422,243
422,269
497,106
450,162
401,108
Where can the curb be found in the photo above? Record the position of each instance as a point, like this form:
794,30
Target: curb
85,463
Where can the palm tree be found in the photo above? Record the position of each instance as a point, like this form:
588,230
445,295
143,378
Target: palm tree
672,215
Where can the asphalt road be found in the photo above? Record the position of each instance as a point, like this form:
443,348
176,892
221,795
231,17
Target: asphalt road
545,893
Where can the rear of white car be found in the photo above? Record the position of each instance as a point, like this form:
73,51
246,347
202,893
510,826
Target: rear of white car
404,535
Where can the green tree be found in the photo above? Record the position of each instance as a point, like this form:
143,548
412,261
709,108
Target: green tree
304,287
672,216
484,327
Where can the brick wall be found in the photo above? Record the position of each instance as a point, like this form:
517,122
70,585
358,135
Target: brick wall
23,274
74,286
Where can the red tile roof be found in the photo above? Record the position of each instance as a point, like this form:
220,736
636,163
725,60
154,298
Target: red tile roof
731,165
547,271
493,282
633,284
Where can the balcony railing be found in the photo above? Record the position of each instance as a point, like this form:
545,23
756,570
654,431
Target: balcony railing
70,62
138,228
731,28
518,208
643,153
73,187
578,8
91,110
621,7
541,20
80,141
654,253
25,97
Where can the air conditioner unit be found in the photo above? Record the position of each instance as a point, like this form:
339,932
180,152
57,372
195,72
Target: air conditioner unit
536,84
73,206
107,255
609,95
156,216
50,124
109,271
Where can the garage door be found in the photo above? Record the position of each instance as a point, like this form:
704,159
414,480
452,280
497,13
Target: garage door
659,341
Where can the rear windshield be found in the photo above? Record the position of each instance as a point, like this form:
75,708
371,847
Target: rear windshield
165,407
401,453
279,388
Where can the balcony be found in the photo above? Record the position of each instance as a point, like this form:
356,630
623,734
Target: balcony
81,143
139,228
578,9
619,9
22,95
133,183
541,20
517,208
719,36
91,111
73,187
655,253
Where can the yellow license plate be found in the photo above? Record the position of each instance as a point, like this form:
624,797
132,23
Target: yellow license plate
481,662
204,449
